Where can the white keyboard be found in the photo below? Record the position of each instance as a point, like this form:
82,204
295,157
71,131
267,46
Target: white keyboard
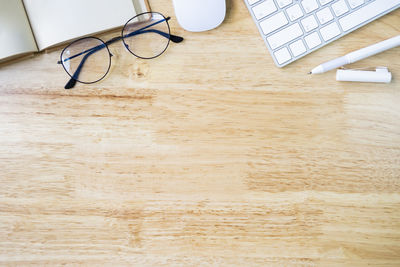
292,29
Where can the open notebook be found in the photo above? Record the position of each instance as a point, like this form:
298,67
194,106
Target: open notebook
28,26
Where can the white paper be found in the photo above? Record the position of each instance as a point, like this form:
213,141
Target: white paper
15,33
56,21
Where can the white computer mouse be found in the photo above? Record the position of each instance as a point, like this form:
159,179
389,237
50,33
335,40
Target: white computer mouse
200,15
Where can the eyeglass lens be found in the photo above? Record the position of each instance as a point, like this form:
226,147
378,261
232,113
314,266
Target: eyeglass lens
90,55
146,35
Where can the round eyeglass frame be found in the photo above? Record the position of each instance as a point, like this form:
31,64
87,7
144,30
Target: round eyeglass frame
126,45
80,39
108,50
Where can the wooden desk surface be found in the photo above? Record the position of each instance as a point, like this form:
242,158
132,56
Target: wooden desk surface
208,155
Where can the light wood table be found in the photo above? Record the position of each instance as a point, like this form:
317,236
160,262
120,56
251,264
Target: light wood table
207,155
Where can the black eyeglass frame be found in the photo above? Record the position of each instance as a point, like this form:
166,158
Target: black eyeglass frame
71,83
77,80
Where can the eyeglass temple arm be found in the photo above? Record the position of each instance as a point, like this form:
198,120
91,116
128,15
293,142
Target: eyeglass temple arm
71,83
173,38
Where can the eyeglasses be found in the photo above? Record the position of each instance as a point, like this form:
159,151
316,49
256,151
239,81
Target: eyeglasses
88,60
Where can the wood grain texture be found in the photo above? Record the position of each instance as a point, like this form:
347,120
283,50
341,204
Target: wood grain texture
206,156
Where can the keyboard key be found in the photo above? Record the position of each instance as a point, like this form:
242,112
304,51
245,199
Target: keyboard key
294,12
366,13
312,40
324,2
330,31
273,23
355,3
264,9
297,48
309,23
309,5
282,55
283,3
284,36
339,8
252,2
325,15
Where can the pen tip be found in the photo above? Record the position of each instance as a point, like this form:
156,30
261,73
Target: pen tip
309,72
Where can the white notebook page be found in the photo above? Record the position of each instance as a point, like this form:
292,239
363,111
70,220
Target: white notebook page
56,21
15,33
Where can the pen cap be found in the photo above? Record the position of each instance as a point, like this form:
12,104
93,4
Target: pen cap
380,75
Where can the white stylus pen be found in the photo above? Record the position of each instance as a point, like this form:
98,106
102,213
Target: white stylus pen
357,55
